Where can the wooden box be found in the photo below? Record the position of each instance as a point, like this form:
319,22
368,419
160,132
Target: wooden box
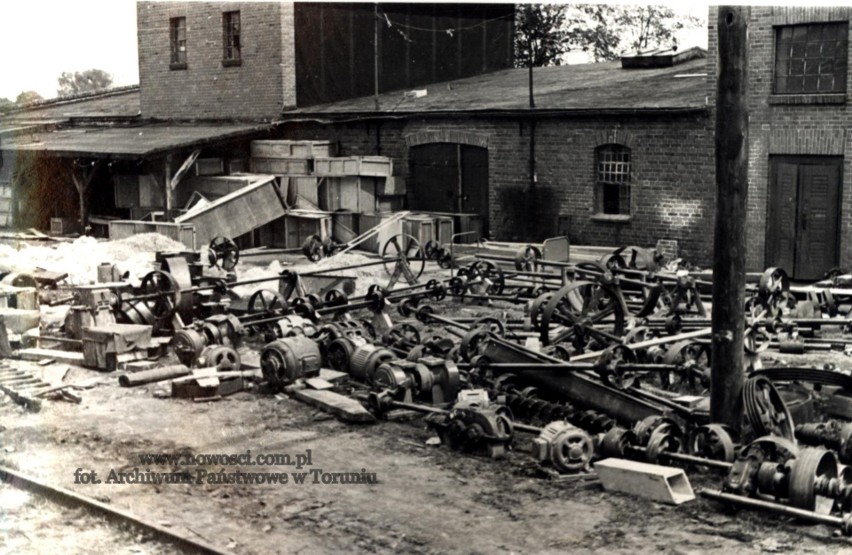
376,166
281,166
419,226
64,226
444,229
209,166
377,242
344,226
291,149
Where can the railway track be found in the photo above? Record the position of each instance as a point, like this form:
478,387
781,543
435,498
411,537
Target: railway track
70,499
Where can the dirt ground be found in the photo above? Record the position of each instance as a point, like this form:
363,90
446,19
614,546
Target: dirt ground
427,499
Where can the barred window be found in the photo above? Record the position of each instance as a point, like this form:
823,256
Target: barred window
177,27
811,58
612,180
231,38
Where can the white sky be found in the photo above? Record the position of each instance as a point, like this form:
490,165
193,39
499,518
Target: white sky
39,39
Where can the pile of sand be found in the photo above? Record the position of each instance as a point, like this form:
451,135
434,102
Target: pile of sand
80,258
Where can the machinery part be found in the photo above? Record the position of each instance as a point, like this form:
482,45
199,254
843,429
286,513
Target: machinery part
581,307
773,282
833,434
445,258
444,380
844,523
765,409
609,367
404,248
365,359
494,325
223,253
223,329
563,445
666,437
284,361
692,364
288,326
187,345
436,290
179,269
335,297
431,248
266,301
813,480
485,278
402,334
475,427
221,356
616,443
338,355
470,343
526,257
312,248
713,441
161,294
759,466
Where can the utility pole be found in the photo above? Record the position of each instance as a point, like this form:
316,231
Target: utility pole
727,373
376,55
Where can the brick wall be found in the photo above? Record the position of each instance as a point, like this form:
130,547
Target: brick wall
258,89
803,128
672,182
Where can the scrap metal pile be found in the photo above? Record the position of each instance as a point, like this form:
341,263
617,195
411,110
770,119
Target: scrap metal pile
589,361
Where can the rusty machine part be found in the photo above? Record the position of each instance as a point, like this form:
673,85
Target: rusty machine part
286,360
576,314
713,441
220,356
223,253
765,410
429,380
566,447
833,434
366,359
475,424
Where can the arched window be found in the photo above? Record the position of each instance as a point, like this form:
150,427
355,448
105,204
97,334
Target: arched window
612,179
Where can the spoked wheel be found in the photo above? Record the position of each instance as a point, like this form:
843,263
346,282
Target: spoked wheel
223,253
526,257
765,409
404,248
581,312
161,292
266,301
487,274
692,361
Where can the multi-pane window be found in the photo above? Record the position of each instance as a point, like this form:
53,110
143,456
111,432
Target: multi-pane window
811,58
612,179
231,37
177,32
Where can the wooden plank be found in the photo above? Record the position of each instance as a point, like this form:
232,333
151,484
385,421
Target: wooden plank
348,410
36,354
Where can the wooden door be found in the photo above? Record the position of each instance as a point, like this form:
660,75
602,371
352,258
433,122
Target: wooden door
474,183
804,215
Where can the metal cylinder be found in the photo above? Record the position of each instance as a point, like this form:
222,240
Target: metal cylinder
285,360
366,359
155,375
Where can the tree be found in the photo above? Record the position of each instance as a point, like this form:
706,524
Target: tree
6,104
79,82
540,34
606,31
28,97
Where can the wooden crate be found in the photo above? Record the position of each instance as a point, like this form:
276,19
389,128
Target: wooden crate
350,193
209,166
344,226
468,222
444,229
419,226
211,187
281,166
237,213
64,226
292,149
376,166
377,242
297,228
121,229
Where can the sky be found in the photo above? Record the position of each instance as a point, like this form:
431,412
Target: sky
39,39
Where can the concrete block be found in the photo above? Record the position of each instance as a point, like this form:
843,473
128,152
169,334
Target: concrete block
650,481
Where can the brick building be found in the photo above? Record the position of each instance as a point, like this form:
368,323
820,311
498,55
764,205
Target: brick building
621,156
252,60
800,194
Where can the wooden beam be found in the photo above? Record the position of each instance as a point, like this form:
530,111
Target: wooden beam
82,186
167,181
179,175
729,250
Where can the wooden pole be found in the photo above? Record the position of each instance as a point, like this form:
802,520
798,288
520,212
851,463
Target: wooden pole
729,250
167,185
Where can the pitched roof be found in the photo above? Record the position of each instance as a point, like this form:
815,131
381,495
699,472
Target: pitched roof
120,102
582,87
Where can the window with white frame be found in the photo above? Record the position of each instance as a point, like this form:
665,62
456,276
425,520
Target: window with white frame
612,179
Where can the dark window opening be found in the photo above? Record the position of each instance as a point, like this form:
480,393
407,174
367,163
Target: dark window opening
177,28
231,38
811,59
612,181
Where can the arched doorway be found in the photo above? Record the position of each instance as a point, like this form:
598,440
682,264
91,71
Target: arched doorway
450,177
